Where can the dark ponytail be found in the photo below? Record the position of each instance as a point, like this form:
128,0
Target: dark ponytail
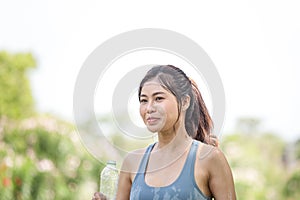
198,122
197,118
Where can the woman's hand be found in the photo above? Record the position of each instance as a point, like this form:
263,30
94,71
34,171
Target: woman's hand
212,140
99,196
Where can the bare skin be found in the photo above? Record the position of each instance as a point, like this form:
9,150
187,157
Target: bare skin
158,110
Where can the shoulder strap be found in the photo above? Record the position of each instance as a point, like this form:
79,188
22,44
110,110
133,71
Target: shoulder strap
144,161
190,161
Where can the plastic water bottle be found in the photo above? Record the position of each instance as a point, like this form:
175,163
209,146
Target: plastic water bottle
109,180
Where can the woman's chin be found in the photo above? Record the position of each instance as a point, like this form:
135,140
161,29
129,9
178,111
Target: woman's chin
153,129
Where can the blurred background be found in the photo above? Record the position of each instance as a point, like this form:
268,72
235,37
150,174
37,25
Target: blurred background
255,46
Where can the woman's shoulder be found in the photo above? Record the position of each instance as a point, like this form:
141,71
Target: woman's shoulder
132,160
210,153
211,158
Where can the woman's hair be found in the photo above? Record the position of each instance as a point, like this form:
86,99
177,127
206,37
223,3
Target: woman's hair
198,122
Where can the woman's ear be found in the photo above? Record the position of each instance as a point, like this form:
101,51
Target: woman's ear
185,102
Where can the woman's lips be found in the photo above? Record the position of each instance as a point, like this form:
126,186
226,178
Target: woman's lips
152,120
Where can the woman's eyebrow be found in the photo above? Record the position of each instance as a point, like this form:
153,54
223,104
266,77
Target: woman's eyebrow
158,93
154,94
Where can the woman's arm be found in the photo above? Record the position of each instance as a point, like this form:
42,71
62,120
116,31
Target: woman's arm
220,177
125,178
124,186
127,174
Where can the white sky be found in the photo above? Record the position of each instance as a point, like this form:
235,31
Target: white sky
254,44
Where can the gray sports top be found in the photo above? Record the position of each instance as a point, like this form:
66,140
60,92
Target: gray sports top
184,187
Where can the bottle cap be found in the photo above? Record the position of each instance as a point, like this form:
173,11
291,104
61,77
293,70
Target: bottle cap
112,162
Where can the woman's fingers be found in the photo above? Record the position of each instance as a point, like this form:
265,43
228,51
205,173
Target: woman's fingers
213,140
99,196
103,197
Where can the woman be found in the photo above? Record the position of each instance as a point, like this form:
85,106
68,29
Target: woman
181,165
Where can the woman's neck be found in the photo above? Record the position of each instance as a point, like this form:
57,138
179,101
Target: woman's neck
173,139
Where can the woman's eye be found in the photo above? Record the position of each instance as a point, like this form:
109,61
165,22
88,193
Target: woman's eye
143,100
159,98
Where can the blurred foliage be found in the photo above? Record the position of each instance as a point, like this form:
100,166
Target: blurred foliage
292,186
15,97
262,163
42,158
256,165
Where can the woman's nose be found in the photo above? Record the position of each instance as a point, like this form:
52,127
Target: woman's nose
150,107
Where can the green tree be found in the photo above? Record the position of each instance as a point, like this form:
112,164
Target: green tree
256,161
291,189
41,156
15,94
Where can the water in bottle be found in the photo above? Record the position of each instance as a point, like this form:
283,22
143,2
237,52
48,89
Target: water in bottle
109,180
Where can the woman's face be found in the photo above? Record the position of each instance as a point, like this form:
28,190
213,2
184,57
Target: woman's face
158,107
